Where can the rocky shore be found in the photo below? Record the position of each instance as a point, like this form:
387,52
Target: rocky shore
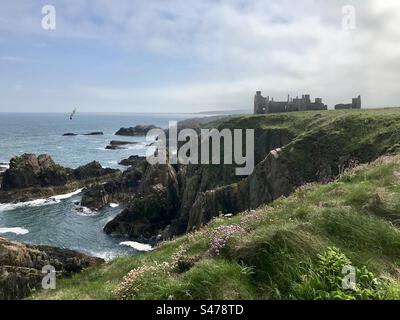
30,177
162,201
139,130
173,199
21,266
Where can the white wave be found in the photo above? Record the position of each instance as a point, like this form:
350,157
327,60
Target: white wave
33,203
137,146
17,230
107,256
137,246
38,202
114,205
84,211
67,195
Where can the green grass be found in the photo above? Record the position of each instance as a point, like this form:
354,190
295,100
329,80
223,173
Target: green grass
292,249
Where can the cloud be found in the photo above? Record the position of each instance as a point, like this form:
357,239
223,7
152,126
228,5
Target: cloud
280,47
12,59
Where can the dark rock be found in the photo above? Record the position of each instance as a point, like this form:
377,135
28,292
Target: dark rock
116,145
95,133
118,190
115,148
30,178
139,130
21,266
30,171
96,197
132,161
152,208
121,143
92,169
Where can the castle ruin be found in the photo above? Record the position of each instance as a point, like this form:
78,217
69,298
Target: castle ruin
355,104
266,105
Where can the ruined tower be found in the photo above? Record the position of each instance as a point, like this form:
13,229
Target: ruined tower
260,103
356,103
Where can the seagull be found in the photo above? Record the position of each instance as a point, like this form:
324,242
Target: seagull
72,114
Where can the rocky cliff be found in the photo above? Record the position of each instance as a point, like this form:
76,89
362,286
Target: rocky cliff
152,209
21,266
290,150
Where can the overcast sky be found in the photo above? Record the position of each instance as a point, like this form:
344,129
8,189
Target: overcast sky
186,56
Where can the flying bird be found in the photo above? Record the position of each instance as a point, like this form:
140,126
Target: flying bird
72,114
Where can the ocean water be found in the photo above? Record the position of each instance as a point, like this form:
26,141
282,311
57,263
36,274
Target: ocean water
59,221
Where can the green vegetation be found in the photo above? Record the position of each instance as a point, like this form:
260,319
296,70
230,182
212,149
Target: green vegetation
294,248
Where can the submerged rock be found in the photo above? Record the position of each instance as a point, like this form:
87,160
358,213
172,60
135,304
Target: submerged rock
115,148
121,143
116,144
139,130
21,266
95,133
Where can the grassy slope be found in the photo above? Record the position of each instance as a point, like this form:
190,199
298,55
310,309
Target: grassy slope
276,253
357,214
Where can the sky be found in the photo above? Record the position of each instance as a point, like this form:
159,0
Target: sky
192,56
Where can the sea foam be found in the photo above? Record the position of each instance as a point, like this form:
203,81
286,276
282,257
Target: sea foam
137,246
17,230
38,202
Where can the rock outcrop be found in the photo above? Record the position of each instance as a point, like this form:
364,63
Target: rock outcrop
95,133
115,144
30,177
153,207
122,189
139,130
91,170
21,266
29,170
270,180
196,183
132,161
121,143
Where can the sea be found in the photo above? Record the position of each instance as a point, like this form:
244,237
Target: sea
58,221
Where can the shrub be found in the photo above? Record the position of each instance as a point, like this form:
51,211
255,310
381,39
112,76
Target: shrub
324,280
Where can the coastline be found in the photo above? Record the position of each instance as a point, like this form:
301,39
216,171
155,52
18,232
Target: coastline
32,194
